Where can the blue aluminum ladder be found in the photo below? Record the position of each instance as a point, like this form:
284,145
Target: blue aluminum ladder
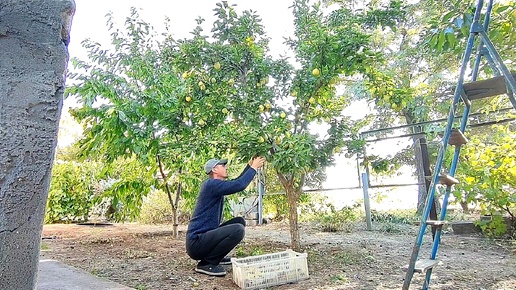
503,83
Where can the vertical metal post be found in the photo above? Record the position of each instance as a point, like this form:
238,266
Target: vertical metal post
367,207
261,192
364,159
358,172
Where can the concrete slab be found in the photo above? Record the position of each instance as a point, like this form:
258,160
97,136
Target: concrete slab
54,275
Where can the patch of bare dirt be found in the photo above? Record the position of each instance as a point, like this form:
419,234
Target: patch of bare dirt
147,257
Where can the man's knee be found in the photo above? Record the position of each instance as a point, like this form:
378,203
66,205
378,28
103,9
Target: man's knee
239,231
241,220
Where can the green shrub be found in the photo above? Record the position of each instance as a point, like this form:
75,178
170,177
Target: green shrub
275,206
156,209
71,194
391,228
92,189
321,211
334,220
498,226
394,217
487,173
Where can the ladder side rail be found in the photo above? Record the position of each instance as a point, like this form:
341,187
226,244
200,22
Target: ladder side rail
464,121
458,89
511,82
426,212
453,169
435,177
463,124
417,244
487,18
481,49
261,193
422,227
457,95
510,93
437,240
490,61
509,79
435,174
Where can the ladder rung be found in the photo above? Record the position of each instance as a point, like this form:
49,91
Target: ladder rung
486,88
423,265
457,138
436,223
447,179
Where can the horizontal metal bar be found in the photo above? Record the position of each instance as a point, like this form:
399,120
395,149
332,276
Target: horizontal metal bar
331,189
395,185
395,137
357,187
492,122
431,122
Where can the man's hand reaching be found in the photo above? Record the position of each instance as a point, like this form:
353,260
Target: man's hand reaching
257,162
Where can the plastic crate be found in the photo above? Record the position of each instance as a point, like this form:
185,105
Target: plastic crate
263,271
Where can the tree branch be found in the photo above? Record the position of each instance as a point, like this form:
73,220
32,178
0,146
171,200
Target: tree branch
165,180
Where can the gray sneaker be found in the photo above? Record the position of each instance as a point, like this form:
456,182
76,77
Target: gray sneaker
212,270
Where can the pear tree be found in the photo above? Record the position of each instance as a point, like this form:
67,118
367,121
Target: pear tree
286,109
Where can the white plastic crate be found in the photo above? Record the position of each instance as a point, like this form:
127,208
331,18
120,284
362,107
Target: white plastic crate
257,272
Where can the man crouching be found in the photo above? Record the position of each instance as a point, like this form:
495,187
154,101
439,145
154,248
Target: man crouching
206,239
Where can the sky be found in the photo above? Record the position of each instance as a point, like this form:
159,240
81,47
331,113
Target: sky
90,22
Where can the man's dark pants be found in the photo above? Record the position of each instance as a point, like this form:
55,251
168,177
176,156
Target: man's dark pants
212,246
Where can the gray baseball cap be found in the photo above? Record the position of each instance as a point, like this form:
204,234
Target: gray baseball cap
212,163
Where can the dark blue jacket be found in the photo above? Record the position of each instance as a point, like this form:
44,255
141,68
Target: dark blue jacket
207,214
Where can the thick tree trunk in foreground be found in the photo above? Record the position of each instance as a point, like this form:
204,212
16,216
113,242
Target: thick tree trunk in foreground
34,35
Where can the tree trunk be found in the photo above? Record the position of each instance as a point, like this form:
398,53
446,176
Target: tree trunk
426,171
292,199
425,164
295,241
175,206
34,35
174,202
464,206
418,160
